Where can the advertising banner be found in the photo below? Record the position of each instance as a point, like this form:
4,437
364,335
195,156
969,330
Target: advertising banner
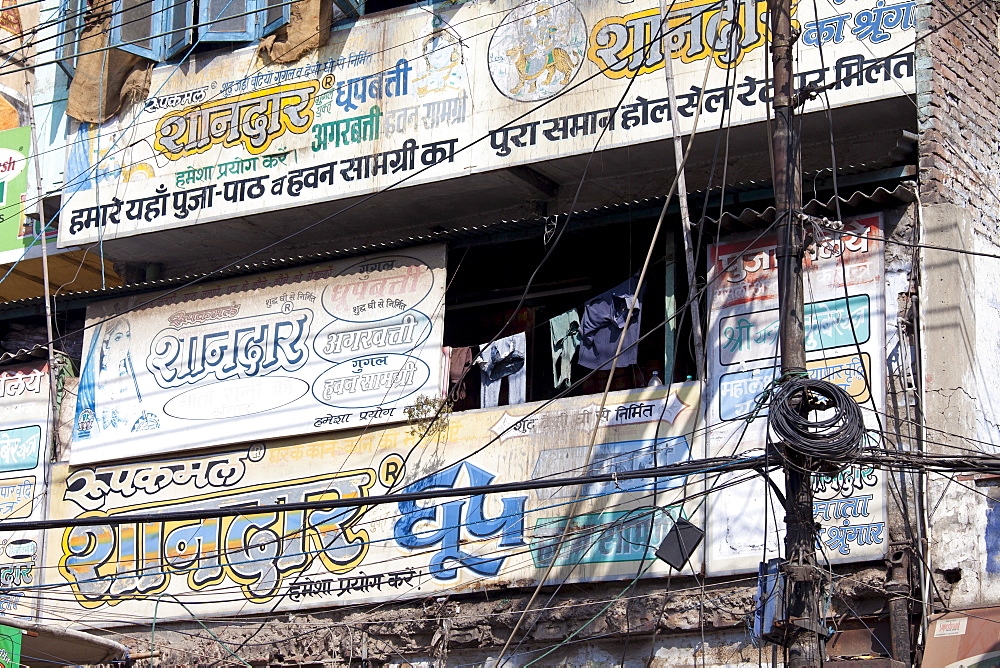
17,233
10,647
844,286
24,438
963,639
262,561
453,89
318,348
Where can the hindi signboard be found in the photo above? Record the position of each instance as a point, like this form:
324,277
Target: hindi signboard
24,438
459,88
318,348
267,561
10,647
18,234
845,344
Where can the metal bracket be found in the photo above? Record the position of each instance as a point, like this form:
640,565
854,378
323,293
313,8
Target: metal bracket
800,573
824,632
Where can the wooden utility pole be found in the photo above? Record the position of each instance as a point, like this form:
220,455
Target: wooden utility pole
802,609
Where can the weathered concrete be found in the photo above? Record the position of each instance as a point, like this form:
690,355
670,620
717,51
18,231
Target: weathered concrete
960,313
472,629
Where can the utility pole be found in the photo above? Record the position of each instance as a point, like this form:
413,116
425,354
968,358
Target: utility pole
802,584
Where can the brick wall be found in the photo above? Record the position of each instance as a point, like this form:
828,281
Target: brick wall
957,98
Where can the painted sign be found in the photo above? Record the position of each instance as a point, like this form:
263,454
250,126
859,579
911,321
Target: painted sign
844,336
263,561
518,82
17,233
10,647
319,348
963,639
24,439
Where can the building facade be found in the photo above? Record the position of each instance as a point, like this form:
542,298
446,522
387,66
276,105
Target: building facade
406,334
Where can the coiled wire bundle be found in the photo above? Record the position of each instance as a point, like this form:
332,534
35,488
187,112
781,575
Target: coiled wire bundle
834,438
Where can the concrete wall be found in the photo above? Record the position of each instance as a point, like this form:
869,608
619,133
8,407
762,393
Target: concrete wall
663,618
960,309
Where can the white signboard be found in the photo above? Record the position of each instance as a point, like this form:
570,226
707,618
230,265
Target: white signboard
325,347
260,561
845,344
24,438
512,82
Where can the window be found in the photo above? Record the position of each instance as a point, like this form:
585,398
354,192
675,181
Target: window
71,13
240,20
350,8
160,29
487,281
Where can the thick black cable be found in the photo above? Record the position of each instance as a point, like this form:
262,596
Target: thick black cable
836,432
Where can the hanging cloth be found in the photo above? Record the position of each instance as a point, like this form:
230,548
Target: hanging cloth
565,335
602,324
504,358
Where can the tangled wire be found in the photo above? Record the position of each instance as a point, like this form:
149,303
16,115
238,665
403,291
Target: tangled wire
834,437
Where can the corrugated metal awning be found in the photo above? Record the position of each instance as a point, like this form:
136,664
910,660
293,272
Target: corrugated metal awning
32,354
858,202
45,646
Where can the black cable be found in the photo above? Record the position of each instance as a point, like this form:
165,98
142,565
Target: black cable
829,438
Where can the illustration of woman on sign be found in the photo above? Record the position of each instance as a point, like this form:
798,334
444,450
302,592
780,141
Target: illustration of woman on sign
109,396
442,67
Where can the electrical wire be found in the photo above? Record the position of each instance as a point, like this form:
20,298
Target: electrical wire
363,200
937,28
595,529
705,492
834,437
611,457
545,257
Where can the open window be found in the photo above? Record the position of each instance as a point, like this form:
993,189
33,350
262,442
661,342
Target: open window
488,280
160,29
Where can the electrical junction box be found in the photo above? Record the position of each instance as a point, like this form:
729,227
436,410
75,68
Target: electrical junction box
770,602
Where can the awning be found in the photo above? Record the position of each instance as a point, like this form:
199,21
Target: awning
964,639
50,646
859,201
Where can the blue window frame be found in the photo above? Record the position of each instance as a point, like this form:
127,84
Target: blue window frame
350,8
71,13
240,20
160,29
154,29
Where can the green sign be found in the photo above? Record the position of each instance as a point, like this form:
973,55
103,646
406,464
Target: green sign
17,233
10,647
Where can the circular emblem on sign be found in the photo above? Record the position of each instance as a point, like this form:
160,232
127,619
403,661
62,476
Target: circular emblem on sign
390,470
537,50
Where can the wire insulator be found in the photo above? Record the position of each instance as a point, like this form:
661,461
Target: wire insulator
834,437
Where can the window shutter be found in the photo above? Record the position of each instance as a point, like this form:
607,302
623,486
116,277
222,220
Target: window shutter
275,16
178,15
226,20
71,13
132,27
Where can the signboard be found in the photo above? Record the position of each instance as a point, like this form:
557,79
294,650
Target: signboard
17,233
512,82
10,647
24,439
844,286
267,561
333,346
963,639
